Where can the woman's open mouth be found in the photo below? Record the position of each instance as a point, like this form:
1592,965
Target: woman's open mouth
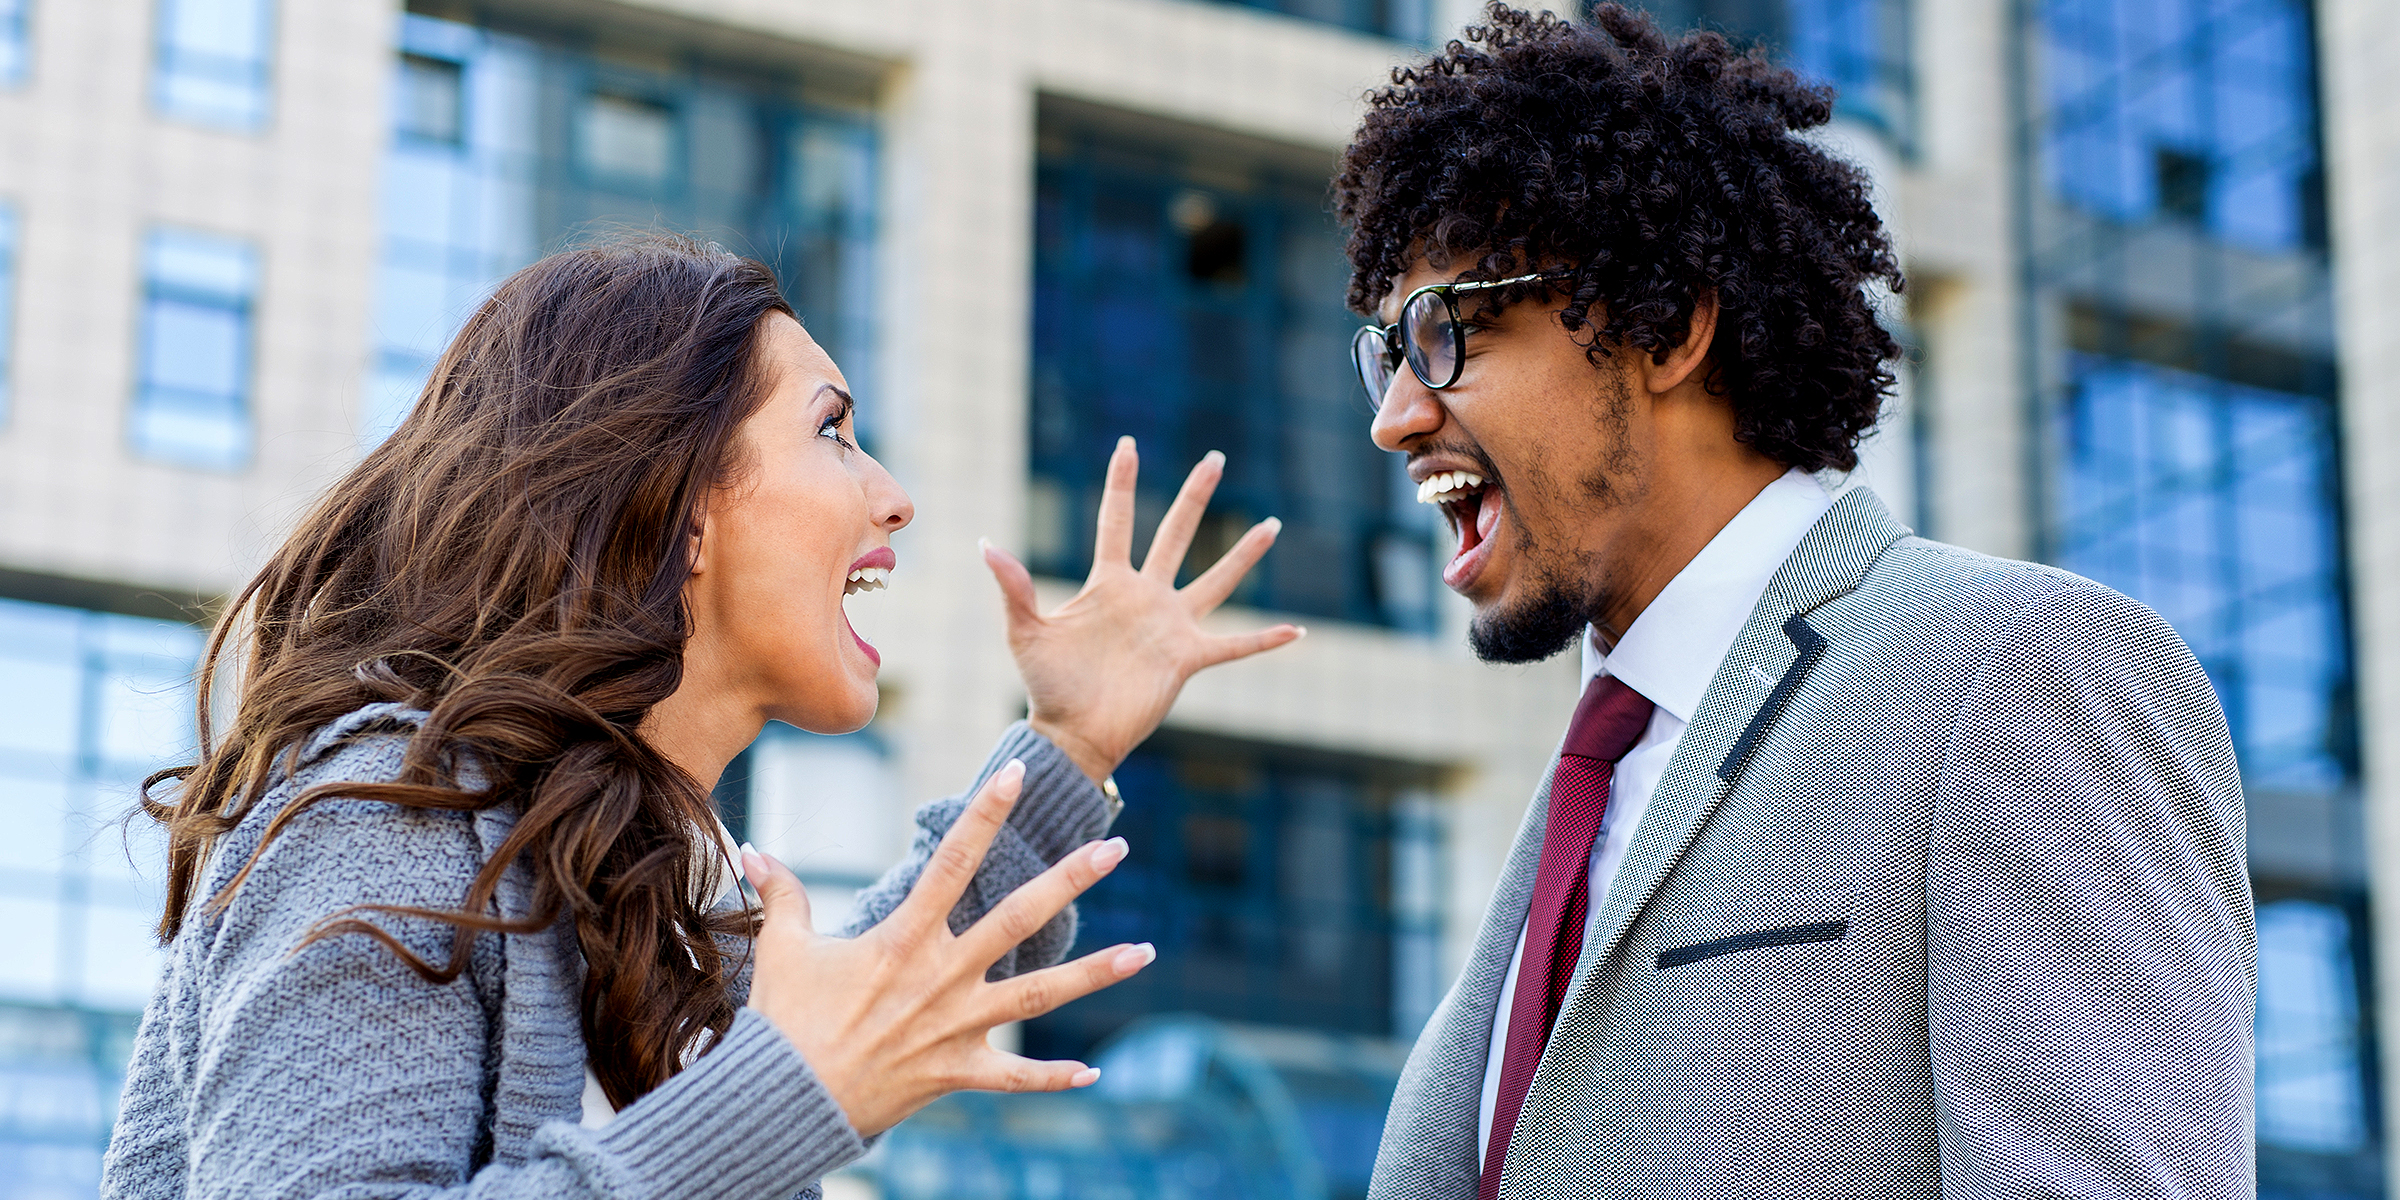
869,574
1472,507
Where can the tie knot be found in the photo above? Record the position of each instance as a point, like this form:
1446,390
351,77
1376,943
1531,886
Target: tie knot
1608,721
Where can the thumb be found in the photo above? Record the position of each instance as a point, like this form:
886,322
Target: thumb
1016,584
780,892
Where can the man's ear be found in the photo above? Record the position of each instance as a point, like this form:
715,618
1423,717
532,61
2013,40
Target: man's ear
1663,373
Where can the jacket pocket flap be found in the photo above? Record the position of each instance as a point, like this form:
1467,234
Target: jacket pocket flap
1796,935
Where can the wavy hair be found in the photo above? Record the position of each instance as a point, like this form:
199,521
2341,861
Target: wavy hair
1655,172
512,560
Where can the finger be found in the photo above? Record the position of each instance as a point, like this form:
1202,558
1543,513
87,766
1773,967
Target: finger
1030,907
998,1072
1016,585
960,855
1030,995
1114,543
1207,592
1174,535
780,893
1243,645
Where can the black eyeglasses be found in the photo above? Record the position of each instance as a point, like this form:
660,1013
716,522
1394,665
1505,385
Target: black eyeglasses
1428,335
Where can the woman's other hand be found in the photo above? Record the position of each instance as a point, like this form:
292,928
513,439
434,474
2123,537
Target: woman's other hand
1103,669
900,1016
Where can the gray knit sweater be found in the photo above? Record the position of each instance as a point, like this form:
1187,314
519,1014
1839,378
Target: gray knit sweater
337,1071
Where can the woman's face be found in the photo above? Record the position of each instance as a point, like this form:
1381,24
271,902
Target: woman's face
807,521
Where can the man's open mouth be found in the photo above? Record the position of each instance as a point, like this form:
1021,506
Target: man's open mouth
1472,506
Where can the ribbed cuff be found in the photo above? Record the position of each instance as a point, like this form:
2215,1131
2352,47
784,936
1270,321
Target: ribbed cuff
749,1119
1060,807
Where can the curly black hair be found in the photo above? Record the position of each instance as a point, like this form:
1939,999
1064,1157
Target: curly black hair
1657,171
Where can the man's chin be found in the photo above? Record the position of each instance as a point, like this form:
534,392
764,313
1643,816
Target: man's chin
1527,629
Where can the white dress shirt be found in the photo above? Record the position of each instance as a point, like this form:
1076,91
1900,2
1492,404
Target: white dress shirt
1669,656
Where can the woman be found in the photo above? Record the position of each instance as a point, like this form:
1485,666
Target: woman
448,903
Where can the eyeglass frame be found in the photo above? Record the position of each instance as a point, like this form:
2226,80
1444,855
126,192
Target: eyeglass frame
1389,334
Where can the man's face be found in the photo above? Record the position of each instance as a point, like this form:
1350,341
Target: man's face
1537,458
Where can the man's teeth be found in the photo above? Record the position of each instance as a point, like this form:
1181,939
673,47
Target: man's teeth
866,579
1442,488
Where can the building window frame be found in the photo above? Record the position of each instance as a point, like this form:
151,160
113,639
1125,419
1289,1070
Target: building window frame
229,85
203,286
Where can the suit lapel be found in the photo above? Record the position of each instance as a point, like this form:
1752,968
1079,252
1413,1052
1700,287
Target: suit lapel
1768,661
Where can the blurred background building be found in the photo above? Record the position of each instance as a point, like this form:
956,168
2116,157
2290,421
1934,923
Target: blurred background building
2154,320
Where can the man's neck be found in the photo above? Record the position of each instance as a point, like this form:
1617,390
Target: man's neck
1682,521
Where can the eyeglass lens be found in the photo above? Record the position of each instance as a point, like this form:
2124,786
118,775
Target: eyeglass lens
1426,327
1373,357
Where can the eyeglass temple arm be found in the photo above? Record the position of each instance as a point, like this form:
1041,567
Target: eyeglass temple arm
1493,283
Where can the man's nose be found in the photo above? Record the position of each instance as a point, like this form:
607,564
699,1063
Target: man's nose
1409,411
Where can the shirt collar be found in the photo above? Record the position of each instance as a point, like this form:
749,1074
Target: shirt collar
1673,648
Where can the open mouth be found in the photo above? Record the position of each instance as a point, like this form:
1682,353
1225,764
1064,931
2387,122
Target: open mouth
1472,506
871,573
867,579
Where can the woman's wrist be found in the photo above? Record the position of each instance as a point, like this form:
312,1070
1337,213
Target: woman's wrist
1092,761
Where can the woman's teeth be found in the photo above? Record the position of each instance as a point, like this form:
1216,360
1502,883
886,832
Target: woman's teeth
866,579
1448,486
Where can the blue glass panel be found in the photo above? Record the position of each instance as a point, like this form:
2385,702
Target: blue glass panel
1202,310
1859,46
16,49
2200,111
214,59
1409,20
192,395
2216,504
508,144
89,704
2311,1085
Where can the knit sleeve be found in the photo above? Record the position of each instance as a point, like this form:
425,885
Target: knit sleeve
1059,809
334,1068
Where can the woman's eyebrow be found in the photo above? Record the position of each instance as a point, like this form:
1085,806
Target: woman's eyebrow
847,404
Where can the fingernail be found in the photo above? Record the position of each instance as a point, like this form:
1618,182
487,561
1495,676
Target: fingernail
983,543
1085,1077
749,857
1216,457
1134,958
1125,441
1272,524
1109,853
1302,630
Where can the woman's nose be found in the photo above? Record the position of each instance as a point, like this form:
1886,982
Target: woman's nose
888,500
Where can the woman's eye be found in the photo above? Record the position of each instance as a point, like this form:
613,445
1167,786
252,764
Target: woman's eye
833,429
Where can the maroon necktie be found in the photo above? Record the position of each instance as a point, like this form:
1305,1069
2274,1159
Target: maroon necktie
1607,723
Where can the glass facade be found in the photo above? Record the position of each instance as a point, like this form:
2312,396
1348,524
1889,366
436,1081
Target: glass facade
1282,887
16,48
1407,20
215,62
89,704
191,400
1190,293
2188,453
1858,46
509,143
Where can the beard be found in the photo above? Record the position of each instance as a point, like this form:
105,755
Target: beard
1545,621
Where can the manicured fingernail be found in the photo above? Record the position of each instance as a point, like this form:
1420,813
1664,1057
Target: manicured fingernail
1134,958
1109,853
1085,1077
1214,457
751,863
1302,630
1272,524
1125,441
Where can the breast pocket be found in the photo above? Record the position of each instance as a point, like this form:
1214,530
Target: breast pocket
1757,939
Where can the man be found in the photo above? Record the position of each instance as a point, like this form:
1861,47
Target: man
1869,866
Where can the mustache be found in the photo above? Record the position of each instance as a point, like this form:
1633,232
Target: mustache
1466,450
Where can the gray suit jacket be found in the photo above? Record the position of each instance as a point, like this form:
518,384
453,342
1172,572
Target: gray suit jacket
1942,894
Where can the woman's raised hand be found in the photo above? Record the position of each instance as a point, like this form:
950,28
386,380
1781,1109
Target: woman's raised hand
899,1016
1102,670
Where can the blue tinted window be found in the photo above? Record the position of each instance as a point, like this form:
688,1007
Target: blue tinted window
89,704
215,59
508,145
8,311
2312,1091
16,49
1198,305
1405,19
1858,46
192,399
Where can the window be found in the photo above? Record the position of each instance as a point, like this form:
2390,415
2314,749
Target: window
8,314
1282,887
191,405
1407,20
89,704
16,48
214,59
508,144
1858,46
1189,292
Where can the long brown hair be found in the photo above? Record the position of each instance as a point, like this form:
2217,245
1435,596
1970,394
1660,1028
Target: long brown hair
512,560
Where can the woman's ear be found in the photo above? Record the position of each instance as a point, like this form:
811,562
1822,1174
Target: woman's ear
696,545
